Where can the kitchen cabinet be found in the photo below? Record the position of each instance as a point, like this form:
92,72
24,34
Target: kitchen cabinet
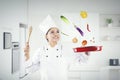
109,32
94,73
110,73
83,73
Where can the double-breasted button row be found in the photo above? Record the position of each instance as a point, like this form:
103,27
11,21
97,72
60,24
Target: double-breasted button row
56,49
56,56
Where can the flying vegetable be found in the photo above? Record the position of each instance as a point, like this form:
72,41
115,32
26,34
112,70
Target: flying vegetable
83,14
64,19
79,30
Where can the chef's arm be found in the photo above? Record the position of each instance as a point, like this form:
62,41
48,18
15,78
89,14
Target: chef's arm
30,63
33,63
32,67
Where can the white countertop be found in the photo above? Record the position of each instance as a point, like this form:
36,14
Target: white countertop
111,67
90,67
84,68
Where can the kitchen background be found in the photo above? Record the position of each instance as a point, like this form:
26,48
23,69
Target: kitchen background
17,15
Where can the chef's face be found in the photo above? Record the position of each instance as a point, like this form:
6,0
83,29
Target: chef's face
53,35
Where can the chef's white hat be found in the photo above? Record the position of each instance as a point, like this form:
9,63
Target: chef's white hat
46,24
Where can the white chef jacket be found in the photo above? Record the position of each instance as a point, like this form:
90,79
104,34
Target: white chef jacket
51,63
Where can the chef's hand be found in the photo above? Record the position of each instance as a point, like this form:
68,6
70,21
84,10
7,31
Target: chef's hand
27,50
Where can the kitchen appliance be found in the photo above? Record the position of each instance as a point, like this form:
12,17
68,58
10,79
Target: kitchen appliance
114,62
15,57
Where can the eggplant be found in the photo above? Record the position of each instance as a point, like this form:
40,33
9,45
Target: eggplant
79,30
67,21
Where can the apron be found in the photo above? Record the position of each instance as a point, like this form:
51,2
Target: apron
53,65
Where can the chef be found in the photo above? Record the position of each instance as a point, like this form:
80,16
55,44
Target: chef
48,58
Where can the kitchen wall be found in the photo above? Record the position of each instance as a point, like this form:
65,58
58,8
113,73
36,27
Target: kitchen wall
55,9
13,12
